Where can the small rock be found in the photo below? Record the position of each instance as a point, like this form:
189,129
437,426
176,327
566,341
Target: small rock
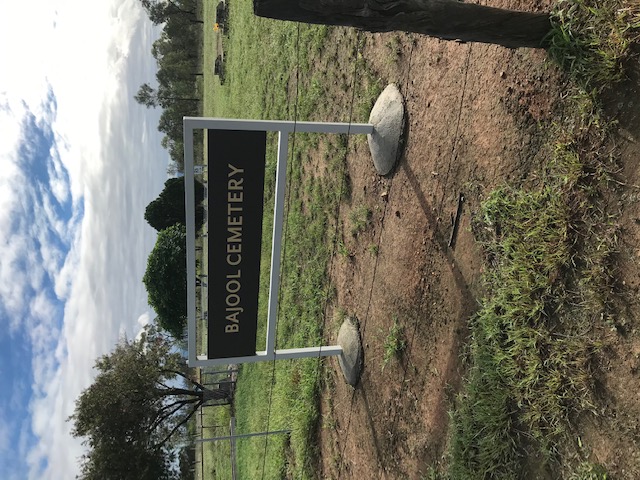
385,196
503,74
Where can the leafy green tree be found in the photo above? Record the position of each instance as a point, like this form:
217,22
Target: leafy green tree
133,417
106,461
151,98
165,45
177,69
166,279
169,208
176,152
160,11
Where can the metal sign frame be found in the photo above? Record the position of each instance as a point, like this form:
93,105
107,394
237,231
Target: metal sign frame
284,128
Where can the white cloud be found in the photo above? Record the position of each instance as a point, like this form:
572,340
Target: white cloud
74,248
57,177
11,192
144,320
21,40
13,280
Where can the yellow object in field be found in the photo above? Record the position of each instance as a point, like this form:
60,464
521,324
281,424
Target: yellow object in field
216,27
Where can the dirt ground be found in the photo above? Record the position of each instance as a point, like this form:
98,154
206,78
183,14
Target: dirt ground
473,123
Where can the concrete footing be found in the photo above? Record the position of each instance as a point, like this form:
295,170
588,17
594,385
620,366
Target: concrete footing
352,355
387,118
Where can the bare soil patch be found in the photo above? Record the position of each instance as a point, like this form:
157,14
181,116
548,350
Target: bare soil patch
476,116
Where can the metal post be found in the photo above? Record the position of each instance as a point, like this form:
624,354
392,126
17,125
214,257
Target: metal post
232,431
276,246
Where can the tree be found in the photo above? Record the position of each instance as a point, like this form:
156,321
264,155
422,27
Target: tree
133,416
106,461
169,208
221,13
150,97
160,11
176,52
186,459
166,279
175,68
445,19
146,96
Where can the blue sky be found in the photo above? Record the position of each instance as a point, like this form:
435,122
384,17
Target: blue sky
79,161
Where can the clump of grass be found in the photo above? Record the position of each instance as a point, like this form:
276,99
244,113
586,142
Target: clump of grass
394,343
532,345
528,248
592,39
394,46
342,249
550,250
433,474
590,471
360,217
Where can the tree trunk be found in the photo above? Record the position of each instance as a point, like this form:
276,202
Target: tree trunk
217,394
445,19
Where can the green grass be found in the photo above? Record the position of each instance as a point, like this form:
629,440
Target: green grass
550,246
550,250
530,351
359,218
590,471
261,59
395,343
592,39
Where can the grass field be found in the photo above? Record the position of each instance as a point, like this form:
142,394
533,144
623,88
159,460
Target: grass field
530,328
266,65
533,341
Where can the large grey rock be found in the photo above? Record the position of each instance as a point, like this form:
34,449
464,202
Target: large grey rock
351,359
387,118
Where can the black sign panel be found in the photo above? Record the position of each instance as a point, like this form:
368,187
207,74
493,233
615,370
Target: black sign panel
236,189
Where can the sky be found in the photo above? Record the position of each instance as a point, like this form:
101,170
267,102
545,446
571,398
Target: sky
79,162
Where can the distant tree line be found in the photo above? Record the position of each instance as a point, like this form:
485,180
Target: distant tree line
177,55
